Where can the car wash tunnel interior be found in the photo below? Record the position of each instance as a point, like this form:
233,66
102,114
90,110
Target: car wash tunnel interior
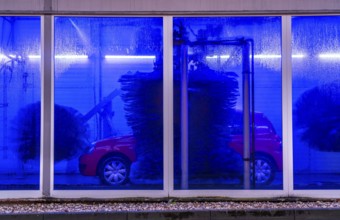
169,105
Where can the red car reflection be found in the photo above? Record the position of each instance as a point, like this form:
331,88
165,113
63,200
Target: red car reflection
111,158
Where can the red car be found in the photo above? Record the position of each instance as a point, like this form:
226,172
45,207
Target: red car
268,147
111,158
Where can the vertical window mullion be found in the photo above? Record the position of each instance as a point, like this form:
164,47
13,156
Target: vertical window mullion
287,105
46,107
168,103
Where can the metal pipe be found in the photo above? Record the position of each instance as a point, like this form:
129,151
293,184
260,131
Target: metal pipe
98,67
248,102
184,119
4,105
246,113
252,144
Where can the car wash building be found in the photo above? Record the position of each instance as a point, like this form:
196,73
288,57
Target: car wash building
154,98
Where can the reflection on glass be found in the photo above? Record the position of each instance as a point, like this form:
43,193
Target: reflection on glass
19,103
316,102
108,103
227,120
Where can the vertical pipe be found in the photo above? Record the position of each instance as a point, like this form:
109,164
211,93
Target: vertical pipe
184,119
246,113
100,75
5,113
252,144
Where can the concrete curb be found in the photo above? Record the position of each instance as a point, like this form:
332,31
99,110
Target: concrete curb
289,214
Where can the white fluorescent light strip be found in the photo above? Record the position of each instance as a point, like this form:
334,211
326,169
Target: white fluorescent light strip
298,56
85,57
128,57
2,56
266,56
71,56
329,56
260,56
61,56
34,56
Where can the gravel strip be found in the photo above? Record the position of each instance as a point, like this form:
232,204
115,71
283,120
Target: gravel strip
75,207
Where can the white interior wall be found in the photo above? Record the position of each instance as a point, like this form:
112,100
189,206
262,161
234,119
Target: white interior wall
169,6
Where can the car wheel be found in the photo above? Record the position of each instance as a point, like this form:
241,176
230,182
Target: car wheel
114,171
264,170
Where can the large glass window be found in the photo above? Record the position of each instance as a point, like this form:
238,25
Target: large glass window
316,102
108,113
227,103
19,102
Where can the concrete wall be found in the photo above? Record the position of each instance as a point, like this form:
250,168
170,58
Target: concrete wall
168,6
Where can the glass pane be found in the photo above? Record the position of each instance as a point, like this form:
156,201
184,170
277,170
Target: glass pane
108,103
19,103
316,102
227,103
